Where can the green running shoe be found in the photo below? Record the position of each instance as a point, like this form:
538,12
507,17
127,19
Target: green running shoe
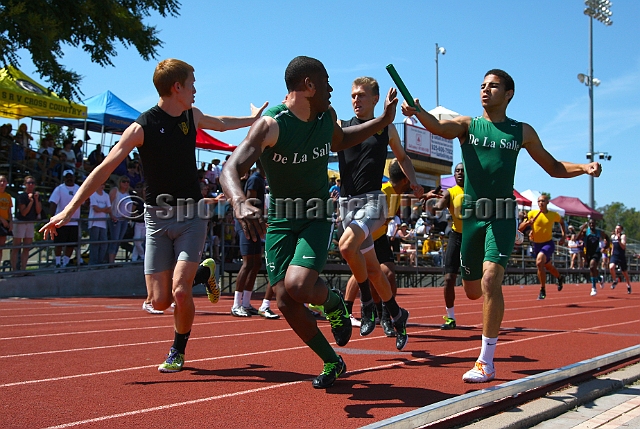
331,371
174,362
340,322
448,324
368,319
400,326
317,309
206,275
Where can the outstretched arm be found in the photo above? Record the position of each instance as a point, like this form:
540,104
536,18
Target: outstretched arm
262,134
131,138
553,167
456,128
225,123
351,136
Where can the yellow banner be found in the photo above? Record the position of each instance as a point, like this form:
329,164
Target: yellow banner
21,96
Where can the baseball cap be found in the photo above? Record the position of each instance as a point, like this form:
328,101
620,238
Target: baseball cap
68,172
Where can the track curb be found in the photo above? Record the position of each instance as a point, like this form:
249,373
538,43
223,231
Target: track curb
557,403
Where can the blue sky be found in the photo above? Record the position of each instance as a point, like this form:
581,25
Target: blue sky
240,50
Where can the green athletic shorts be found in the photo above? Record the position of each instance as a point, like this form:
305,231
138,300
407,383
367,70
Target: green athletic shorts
301,242
485,240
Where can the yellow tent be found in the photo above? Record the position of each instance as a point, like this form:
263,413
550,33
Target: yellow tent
21,96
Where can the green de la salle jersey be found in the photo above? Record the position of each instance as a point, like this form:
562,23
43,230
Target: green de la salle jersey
489,156
296,166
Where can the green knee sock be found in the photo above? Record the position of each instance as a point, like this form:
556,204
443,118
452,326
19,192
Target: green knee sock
322,348
332,302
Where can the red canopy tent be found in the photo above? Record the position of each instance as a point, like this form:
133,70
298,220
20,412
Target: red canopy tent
207,141
574,207
521,200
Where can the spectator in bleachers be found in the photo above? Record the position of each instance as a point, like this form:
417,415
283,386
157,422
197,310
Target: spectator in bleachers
120,201
6,138
60,167
575,252
59,199
133,175
28,210
137,217
6,220
23,138
96,157
605,249
407,241
79,154
67,149
99,207
216,172
229,236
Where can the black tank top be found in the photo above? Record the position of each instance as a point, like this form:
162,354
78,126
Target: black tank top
362,166
168,156
618,251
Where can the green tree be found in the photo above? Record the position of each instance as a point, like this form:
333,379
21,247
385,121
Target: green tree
57,132
43,26
617,213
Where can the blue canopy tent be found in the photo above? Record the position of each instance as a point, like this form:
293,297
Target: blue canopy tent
106,113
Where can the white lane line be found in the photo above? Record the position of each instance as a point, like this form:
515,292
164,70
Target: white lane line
20,383
244,392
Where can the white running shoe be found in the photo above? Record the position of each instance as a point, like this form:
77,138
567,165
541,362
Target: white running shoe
240,312
481,373
148,307
594,291
355,322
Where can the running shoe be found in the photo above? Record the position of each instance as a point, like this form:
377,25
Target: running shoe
317,310
601,279
368,319
239,312
340,322
614,284
594,291
481,373
174,362
448,324
628,288
251,310
355,322
543,294
267,313
148,307
331,371
400,326
385,322
560,283
206,275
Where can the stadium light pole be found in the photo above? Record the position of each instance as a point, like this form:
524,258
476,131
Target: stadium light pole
439,51
598,9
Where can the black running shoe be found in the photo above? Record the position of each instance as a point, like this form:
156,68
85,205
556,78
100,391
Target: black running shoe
331,371
368,319
385,322
628,288
400,326
340,322
560,283
614,284
543,294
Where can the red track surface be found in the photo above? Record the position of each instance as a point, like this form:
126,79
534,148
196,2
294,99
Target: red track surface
91,362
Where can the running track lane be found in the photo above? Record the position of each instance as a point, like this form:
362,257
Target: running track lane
91,362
